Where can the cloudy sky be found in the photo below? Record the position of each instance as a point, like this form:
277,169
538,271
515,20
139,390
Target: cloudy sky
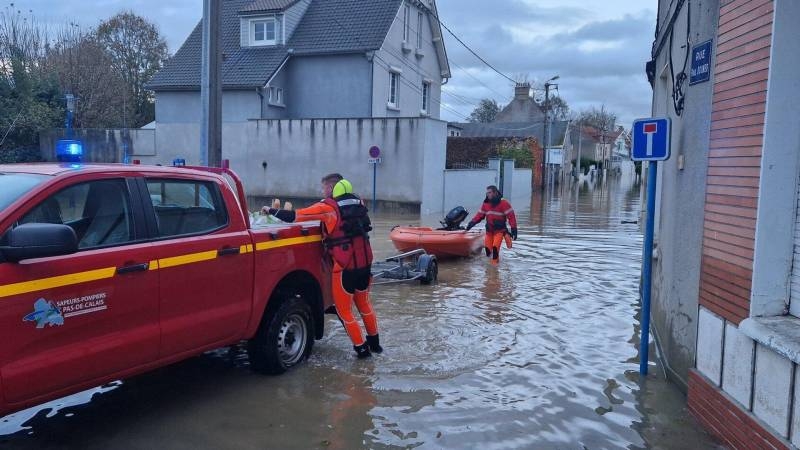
599,51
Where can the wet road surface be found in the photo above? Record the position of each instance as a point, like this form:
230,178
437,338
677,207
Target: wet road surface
540,352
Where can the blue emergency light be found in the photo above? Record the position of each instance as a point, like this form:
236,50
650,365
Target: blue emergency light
178,162
69,150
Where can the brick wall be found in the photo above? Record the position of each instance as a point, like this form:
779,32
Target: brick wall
720,416
461,150
737,127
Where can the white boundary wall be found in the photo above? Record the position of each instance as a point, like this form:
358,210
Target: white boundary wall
467,187
298,153
521,185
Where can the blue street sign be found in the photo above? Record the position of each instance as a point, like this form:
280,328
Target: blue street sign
651,139
701,63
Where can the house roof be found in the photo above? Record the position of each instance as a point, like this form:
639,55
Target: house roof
515,130
328,26
268,5
521,110
596,135
344,26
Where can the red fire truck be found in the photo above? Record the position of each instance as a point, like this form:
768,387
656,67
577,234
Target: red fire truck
107,271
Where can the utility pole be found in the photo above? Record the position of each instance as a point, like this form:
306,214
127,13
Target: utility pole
211,86
580,139
546,136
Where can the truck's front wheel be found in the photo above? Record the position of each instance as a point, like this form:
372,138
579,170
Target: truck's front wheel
284,339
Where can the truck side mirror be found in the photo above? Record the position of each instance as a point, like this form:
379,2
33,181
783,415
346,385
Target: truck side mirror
38,240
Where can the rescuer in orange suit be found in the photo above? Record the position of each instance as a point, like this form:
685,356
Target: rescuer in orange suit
497,211
345,236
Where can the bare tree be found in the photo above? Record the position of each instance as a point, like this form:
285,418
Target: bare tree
485,112
29,98
23,43
559,109
604,122
137,52
600,119
84,68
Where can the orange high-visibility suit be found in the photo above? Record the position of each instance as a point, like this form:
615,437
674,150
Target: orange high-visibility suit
496,214
351,277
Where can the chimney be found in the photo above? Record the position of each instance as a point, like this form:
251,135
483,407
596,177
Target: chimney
522,91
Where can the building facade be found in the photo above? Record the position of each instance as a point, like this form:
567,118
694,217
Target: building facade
314,59
308,88
727,235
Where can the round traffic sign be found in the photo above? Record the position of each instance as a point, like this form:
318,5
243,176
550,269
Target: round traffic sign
374,152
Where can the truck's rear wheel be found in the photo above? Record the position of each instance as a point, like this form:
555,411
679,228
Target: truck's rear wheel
284,339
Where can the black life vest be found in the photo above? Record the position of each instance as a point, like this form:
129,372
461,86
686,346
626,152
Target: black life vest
348,244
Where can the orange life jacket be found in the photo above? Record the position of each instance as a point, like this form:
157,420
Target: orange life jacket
496,215
348,244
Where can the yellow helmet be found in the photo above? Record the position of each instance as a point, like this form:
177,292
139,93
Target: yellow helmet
342,187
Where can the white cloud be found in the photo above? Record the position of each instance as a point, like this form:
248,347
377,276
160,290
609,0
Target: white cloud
599,53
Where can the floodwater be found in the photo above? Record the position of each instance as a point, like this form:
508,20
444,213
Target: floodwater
538,353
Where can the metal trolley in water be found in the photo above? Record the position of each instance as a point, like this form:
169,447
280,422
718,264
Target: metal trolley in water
413,265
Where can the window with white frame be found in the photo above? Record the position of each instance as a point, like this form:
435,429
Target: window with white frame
394,86
419,29
406,22
276,96
263,32
426,97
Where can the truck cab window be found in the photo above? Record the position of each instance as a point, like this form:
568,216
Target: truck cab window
98,211
186,207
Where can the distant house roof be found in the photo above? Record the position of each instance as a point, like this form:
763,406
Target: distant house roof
522,107
596,135
519,130
268,6
328,27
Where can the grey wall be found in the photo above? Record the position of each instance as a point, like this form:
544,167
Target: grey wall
273,111
299,152
679,220
106,146
184,106
328,86
416,65
433,164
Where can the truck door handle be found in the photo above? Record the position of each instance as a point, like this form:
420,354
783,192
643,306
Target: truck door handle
134,268
228,251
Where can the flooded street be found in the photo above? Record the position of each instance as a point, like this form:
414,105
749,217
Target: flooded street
540,352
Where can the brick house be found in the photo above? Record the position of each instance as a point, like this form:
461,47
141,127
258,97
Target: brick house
726,305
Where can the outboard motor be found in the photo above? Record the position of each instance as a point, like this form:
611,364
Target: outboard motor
452,221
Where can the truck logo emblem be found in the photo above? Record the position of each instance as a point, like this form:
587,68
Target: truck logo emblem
45,313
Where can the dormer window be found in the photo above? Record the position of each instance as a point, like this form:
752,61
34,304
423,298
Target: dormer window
263,31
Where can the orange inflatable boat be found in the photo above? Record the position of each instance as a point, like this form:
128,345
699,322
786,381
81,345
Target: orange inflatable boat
442,243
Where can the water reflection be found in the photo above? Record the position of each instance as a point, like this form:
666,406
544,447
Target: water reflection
540,352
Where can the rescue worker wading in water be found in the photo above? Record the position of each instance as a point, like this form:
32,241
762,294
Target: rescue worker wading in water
346,226
496,210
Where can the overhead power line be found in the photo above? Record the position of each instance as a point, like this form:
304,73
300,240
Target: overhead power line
433,14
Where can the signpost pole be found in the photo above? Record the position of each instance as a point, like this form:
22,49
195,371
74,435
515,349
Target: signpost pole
374,186
651,142
374,159
644,343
